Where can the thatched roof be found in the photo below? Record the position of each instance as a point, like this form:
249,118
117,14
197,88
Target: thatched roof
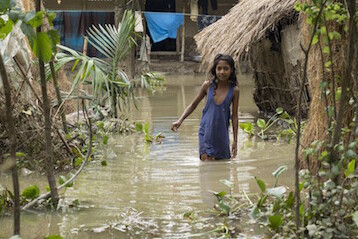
247,22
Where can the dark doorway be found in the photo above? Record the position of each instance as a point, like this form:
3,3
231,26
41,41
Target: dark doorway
161,6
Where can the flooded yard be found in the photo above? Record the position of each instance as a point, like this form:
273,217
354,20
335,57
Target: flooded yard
150,187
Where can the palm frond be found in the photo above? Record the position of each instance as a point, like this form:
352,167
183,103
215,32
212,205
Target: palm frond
97,40
109,82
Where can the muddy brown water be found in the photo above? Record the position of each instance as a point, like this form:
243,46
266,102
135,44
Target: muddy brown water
150,187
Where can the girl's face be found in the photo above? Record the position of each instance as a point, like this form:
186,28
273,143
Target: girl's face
223,70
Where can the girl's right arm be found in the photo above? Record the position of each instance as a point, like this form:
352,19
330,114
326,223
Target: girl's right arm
204,88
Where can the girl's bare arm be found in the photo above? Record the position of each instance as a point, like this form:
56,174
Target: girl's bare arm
190,108
235,119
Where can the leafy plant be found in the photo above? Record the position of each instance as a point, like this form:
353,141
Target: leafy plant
226,208
265,126
109,82
42,43
292,126
64,178
247,127
275,221
148,138
31,192
276,192
6,200
152,81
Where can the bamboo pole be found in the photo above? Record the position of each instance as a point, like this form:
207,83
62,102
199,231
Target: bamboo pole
133,49
85,46
183,35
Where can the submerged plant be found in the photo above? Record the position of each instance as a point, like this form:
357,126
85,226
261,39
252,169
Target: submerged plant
265,126
248,128
148,138
130,222
276,192
6,200
152,81
287,126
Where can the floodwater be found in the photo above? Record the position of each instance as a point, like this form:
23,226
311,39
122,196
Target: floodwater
145,189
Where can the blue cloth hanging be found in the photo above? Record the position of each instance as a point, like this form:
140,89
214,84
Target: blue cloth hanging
163,25
206,20
73,25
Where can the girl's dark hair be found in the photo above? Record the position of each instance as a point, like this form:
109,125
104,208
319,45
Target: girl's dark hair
231,62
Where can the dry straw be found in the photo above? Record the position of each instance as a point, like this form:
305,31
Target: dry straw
247,22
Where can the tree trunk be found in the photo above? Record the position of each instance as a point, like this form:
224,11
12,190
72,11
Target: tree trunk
347,77
59,99
12,138
48,138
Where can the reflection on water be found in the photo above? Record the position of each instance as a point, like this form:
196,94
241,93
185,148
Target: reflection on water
162,181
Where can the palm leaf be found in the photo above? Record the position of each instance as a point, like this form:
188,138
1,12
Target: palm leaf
96,40
109,83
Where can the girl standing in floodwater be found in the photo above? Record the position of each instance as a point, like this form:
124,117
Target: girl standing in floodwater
222,92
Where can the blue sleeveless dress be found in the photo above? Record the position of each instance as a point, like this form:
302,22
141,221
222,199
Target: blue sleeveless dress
214,126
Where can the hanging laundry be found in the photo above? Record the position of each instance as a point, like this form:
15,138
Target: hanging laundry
163,25
204,5
144,51
72,30
214,4
204,21
138,22
73,25
194,10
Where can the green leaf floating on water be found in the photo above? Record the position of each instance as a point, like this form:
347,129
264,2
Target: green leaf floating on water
247,127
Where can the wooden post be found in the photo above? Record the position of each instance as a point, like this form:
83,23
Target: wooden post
183,35
177,42
85,46
81,86
133,49
144,35
119,7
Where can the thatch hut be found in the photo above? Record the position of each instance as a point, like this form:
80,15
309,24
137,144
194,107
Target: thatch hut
264,34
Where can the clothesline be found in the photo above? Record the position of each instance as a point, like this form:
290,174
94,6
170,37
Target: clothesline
174,13
179,13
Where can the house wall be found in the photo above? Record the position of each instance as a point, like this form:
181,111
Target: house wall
293,57
108,5
191,27
276,68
